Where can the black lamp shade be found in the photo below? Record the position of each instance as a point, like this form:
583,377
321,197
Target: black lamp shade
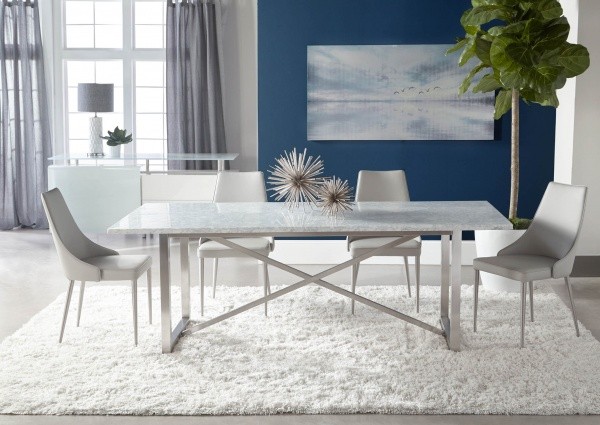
93,97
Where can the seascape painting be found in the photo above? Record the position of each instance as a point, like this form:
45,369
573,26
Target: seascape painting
407,92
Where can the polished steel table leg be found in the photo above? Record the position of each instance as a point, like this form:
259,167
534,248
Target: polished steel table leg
456,266
445,288
165,293
184,256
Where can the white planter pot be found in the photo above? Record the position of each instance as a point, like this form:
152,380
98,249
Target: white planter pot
487,244
114,151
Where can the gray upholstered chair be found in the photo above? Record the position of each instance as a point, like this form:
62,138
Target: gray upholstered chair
86,261
384,186
546,250
236,187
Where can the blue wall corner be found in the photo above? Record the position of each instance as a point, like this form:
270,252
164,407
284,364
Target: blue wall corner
436,170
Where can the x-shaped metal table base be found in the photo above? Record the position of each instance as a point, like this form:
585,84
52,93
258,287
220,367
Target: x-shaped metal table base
450,323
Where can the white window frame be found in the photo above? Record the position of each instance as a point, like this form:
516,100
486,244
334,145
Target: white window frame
60,55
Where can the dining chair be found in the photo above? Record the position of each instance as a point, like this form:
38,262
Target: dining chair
384,186
546,249
84,260
233,186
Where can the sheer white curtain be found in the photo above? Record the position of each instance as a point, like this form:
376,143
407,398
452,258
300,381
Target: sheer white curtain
25,140
195,122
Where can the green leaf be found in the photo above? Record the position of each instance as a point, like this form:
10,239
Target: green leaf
482,50
549,9
483,14
503,103
520,53
574,59
487,83
467,53
459,45
469,29
469,78
553,35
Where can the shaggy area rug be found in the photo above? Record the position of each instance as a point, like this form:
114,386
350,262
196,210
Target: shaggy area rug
309,356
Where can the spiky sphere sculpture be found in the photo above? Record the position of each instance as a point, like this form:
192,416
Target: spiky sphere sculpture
295,178
335,196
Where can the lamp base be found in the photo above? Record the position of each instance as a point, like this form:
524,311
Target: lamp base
95,137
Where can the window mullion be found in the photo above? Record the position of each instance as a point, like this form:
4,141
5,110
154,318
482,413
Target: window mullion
128,73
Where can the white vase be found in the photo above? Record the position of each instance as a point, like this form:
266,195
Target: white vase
487,244
114,151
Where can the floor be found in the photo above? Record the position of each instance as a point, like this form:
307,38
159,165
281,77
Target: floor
30,278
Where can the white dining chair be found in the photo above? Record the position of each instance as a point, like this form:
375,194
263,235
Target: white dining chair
85,261
236,187
546,250
384,186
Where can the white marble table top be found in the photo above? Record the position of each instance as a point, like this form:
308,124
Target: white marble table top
152,156
274,219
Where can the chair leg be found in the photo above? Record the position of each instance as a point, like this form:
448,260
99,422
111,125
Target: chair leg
407,275
531,299
418,273
353,284
523,310
149,283
134,305
66,312
81,291
215,268
569,289
201,286
266,284
476,298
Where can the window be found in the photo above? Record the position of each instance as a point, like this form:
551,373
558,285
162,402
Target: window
120,42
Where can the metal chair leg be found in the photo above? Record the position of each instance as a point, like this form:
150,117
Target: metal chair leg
418,273
201,286
523,310
570,290
476,298
266,284
353,284
531,299
215,268
66,312
81,291
149,283
407,275
134,305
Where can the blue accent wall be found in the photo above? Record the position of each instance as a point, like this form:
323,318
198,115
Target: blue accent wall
436,170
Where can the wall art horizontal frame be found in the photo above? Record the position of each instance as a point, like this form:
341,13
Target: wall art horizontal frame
392,92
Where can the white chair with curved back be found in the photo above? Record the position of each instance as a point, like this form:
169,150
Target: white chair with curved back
384,186
86,261
236,187
546,250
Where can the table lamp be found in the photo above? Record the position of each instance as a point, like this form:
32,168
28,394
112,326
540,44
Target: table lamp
92,97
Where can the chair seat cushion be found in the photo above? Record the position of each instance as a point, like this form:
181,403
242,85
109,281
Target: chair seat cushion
212,249
121,267
523,268
361,246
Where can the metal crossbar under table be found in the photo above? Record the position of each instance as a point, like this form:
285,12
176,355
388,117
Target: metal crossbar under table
450,317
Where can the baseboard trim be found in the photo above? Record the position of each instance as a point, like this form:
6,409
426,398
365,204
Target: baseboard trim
334,252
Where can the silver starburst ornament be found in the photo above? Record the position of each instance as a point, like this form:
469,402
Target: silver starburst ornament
335,196
295,178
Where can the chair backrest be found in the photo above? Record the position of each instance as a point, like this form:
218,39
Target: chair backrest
233,186
72,245
555,228
382,186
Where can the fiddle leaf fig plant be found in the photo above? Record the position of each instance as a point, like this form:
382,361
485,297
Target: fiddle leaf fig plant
117,137
522,52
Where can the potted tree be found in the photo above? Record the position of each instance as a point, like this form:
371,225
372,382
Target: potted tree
115,139
521,51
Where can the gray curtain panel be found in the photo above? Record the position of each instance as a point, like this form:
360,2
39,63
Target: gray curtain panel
25,140
194,91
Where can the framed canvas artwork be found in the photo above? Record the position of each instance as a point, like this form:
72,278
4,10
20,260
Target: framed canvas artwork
406,92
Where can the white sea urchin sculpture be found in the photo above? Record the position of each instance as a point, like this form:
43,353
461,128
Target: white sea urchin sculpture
334,196
296,178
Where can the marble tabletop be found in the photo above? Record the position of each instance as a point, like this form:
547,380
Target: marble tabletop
275,219
152,156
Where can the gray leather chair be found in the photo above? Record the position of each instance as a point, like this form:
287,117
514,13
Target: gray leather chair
86,261
384,186
236,187
546,250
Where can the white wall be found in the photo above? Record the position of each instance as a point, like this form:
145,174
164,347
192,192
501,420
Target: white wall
578,123
239,45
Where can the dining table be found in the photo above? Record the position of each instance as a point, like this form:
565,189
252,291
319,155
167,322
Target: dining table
223,222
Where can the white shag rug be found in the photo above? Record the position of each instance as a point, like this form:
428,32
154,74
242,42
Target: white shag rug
309,356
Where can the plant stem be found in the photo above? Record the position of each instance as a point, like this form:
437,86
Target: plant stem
514,156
